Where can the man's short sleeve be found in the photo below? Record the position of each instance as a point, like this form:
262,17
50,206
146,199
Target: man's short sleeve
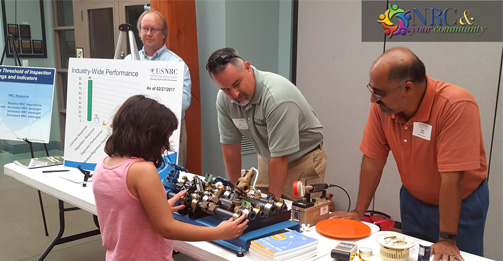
374,144
229,134
460,141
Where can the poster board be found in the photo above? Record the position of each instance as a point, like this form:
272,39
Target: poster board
96,90
26,96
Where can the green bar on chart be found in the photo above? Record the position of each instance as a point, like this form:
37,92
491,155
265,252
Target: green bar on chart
89,100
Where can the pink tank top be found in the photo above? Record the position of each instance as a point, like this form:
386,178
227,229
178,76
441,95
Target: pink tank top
126,230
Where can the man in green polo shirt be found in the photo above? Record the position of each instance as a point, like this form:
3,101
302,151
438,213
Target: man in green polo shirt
274,115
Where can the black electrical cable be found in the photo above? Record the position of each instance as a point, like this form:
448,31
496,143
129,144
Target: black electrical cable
305,177
347,194
329,185
495,117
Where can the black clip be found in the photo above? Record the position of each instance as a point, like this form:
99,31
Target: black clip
87,175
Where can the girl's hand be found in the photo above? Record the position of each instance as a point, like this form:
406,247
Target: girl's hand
232,228
172,201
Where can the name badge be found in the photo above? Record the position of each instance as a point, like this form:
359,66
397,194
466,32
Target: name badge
422,130
240,124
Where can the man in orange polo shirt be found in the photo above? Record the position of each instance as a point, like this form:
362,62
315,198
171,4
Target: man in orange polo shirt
433,129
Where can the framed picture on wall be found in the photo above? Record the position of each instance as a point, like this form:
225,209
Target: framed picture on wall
25,21
13,30
26,46
24,31
38,46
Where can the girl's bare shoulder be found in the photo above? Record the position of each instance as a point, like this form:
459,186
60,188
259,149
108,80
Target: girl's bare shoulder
143,167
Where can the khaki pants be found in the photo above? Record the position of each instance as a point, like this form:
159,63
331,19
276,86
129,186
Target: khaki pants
312,164
182,147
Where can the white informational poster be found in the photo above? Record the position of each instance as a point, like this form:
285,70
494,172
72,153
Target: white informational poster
96,90
26,95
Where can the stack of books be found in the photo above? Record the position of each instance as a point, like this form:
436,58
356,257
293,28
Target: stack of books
290,245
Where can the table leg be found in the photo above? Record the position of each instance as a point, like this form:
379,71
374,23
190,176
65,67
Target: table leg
61,240
43,213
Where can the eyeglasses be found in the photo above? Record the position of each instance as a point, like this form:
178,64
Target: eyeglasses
220,61
380,97
152,30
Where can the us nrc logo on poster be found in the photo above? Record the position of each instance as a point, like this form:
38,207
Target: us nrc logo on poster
163,74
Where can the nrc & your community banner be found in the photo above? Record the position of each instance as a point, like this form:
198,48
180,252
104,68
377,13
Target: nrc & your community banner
432,21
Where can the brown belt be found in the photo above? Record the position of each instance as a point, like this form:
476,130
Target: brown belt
315,148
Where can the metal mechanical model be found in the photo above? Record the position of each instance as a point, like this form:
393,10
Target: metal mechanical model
213,199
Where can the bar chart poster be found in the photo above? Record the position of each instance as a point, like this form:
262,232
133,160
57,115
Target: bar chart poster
96,90
26,96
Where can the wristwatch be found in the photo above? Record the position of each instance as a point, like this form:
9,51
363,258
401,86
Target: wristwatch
447,235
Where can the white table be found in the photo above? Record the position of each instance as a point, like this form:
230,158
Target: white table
67,187
210,251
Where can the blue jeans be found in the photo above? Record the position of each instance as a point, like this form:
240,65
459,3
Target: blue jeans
421,220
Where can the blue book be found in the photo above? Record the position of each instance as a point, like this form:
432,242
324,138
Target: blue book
284,243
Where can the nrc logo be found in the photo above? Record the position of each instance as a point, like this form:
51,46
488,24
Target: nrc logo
164,71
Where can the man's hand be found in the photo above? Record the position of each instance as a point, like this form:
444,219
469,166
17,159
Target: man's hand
347,215
446,250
